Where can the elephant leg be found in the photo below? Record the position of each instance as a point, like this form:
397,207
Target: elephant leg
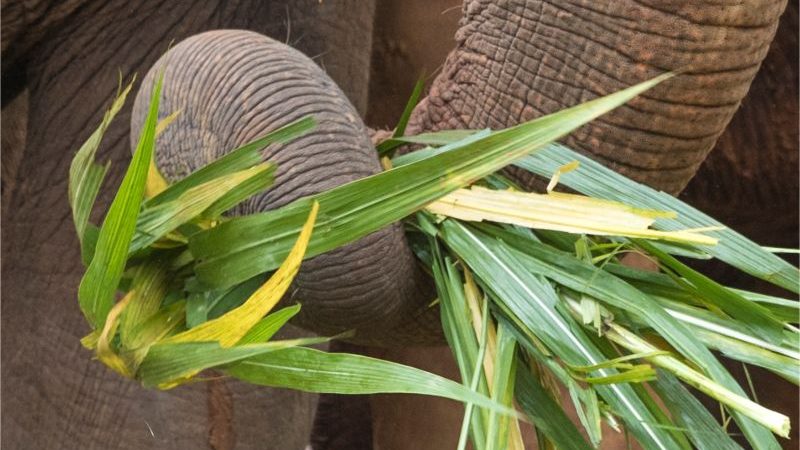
59,396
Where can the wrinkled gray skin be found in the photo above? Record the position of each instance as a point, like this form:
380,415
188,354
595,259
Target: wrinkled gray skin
234,86
514,61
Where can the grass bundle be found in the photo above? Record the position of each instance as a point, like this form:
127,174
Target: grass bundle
532,293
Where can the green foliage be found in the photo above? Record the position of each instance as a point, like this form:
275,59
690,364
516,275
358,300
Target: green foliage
595,180
239,249
528,313
99,283
312,370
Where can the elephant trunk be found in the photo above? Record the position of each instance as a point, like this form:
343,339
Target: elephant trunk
517,60
235,86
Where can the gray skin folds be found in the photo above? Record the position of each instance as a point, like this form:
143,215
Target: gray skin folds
516,60
234,86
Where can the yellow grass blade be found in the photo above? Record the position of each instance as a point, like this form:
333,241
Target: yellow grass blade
233,325
104,351
156,182
474,302
566,168
560,212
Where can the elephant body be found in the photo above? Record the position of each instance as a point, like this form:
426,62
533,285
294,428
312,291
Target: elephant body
513,61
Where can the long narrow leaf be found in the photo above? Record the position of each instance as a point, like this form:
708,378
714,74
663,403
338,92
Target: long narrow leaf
585,278
239,249
598,181
311,370
557,211
533,302
234,325
85,176
459,333
169,364
156,221
269,325
704,432
96,291
776,422
239,159
595,180
751,314
149,287
547,415
503,434
390,144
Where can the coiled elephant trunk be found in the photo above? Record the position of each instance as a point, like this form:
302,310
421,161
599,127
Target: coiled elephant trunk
233,86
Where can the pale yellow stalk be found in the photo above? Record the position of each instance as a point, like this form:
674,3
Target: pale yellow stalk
560,212
474,302
104,351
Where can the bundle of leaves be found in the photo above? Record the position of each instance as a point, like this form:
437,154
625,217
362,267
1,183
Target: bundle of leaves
533,297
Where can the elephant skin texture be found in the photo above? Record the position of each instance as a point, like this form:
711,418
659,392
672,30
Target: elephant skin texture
234,86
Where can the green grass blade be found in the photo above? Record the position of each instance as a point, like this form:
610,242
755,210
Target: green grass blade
427,152
547,415
701,319
595,180
96,291
208,305
775,421
460,335
269,325
784,366
211,198
751,314
311,370
728,336
390,144
166,365
85,176
477,378
662,285
237,160
704,432
784,309
240,248
499,430
400,129
234,297
585,278
438,138
533,302
249,187
149,286
166,321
